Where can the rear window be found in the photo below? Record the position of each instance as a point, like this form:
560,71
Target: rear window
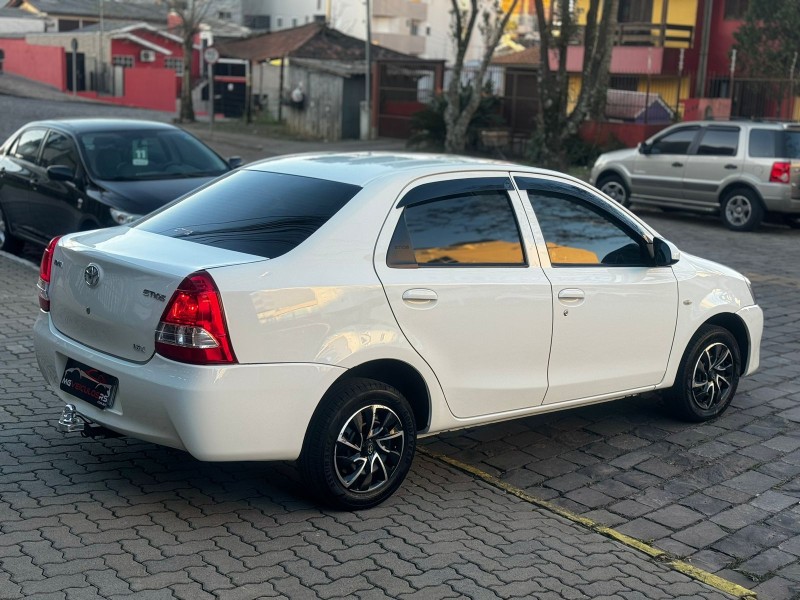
256,212
774,143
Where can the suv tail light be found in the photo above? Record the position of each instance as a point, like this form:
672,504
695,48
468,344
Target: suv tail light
45,270
781,172
193,328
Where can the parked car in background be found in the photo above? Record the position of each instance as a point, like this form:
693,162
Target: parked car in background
744,170
330,308
69,175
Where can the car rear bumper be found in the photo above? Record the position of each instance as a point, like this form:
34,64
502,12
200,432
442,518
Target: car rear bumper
753,318
216,412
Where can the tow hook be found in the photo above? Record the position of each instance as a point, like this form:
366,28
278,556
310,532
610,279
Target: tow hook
71,421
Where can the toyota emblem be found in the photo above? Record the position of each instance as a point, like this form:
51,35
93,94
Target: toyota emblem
91,275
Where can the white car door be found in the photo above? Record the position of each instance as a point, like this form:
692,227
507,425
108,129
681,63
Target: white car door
463,280
614,313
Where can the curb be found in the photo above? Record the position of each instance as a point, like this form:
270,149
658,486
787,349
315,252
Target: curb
659,556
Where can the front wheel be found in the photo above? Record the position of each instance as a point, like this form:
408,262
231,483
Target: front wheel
741,210
359,445
708,375
614,187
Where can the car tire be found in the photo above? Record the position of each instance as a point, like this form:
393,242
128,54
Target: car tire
793,221
741,210
359,445
708,375
8,243
614,187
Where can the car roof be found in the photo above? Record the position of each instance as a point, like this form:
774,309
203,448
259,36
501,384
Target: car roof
361,168
89,125
742,123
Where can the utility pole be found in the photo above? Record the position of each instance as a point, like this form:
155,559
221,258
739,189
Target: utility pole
368,79
101,88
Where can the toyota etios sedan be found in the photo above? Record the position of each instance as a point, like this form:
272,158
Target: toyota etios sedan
331,308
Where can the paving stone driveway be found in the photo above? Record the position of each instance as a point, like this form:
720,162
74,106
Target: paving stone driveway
125,520
722,495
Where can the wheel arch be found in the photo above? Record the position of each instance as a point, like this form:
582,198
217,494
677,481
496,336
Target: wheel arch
616,172
739,185
408,380
735,325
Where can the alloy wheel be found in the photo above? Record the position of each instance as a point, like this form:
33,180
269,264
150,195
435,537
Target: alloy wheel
616,191
369,448
738,210
713,376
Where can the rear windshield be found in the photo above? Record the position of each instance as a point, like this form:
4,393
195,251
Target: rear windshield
256,212
774,143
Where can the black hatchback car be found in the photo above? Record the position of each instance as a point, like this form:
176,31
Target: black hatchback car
69,175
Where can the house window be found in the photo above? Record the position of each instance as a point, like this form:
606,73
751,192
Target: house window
225,15
122,60
319,4
635,11
294,22
735,9
174,63
279,22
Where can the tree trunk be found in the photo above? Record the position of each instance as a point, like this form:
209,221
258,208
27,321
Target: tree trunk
187,107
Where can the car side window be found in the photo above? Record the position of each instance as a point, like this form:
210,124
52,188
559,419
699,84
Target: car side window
476,228
27,145
577,233
59,150
719,141
676,142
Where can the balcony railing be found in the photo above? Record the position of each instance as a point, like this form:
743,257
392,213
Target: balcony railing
656,35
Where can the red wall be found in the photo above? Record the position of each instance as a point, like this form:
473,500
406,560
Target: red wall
144,88
41,63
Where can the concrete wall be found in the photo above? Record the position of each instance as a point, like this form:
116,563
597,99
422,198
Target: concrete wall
42,63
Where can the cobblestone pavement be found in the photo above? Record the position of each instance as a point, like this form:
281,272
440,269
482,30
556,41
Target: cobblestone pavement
127,520
722,495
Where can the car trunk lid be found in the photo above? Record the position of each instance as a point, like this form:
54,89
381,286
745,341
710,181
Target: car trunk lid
109,288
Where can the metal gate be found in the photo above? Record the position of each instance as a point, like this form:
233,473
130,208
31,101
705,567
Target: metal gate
404,88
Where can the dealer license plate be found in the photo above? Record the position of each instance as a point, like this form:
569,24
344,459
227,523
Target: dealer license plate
87,383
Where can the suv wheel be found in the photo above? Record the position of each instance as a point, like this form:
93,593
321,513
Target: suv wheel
741,210
614,187
359,445
8,243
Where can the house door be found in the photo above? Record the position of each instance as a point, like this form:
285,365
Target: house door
79,71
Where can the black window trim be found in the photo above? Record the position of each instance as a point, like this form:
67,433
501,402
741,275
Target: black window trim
438,190
597,205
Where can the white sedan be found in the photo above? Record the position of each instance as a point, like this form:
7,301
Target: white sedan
331,308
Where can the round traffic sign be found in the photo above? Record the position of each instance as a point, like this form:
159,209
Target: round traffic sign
211,55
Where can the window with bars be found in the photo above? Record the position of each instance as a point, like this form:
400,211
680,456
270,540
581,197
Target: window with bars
174,63
122,60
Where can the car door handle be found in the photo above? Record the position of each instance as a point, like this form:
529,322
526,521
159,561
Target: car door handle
731,167
571,296
677,164
419,297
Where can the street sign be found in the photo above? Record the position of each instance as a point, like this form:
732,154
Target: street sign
211,55
74,44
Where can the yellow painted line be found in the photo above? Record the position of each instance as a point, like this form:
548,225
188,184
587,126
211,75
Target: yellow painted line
659,555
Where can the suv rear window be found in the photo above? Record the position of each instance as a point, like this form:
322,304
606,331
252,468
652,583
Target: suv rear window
774,143
256,212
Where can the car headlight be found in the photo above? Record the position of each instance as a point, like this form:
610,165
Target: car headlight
121,217
750,287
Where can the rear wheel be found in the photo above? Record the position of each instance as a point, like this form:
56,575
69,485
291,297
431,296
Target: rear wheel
741,210
8,243
359,445
708,375
614,187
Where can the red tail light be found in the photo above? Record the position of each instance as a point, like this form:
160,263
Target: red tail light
193,328
781,172
45,270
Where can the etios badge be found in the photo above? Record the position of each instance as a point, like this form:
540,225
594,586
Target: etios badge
91,275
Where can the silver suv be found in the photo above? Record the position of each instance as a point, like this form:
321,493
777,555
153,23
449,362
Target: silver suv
740,169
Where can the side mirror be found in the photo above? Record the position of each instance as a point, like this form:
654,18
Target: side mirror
644,148
60,173
235,161
663,252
